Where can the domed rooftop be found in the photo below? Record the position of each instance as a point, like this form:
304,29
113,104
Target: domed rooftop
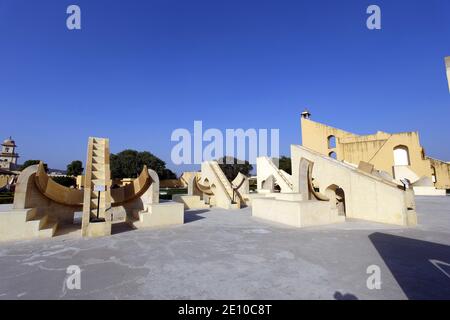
9,142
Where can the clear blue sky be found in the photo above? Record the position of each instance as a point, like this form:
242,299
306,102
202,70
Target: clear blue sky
140,69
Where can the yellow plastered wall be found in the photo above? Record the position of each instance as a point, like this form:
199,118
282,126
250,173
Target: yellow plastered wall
315,136
377,149
442,170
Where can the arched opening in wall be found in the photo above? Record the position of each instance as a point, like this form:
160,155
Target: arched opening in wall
268,184
333,155
337,198
401,156
331,142
276,188
433,174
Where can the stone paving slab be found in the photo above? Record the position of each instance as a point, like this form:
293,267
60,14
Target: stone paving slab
219,254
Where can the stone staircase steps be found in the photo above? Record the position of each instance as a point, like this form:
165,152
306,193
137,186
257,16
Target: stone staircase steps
225,182
97,173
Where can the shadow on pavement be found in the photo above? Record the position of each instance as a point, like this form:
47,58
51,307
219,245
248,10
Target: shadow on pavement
194,215
122,227
421,268
346,296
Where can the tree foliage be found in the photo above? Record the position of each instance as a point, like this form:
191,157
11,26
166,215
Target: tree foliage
129,163
232,166
75,168
65,181
284,163
28,163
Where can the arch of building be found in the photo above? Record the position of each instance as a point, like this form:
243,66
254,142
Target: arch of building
401,156
337,198
331,142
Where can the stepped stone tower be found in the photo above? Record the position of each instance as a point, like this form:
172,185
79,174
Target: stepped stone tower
97,189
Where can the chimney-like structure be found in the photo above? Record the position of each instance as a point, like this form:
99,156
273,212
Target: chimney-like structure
306,114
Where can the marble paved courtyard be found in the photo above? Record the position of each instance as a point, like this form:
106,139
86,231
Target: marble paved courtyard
219,254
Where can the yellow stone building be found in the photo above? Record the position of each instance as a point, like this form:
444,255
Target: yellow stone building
399,154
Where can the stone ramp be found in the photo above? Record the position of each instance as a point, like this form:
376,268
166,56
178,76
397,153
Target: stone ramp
224,195
267,168
366,196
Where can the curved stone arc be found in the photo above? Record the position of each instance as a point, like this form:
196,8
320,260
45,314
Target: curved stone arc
240,188
74,197
205,189
319,196
133,190
237,186
56,192
24,183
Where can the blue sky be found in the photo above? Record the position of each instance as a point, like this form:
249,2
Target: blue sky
140,69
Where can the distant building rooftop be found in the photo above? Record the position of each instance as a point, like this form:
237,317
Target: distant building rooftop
9,142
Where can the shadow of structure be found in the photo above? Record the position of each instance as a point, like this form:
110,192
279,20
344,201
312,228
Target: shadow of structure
346,296
193,215
122,227
68,229
421,268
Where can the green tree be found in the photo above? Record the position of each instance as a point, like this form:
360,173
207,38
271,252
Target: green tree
168,174
284,163
129,163
28,163
232,166
75,168
65,181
